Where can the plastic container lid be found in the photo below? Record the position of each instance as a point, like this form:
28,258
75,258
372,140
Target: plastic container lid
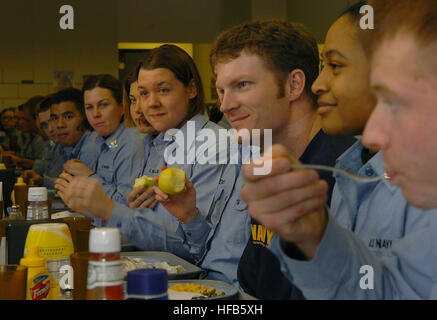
147,282
37,194
50,227
33,259
104,240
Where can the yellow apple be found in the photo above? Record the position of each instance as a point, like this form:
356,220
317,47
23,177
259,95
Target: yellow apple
172,180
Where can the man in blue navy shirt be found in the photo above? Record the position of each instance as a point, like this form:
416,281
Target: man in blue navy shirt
74,141
329,259
264,72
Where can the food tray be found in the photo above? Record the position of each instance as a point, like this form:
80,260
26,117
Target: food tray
192,271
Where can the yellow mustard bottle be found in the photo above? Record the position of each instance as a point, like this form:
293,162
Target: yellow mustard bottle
20,195
56,247
38,278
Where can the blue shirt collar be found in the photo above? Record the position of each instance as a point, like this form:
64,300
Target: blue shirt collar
73,151
112,140
351,161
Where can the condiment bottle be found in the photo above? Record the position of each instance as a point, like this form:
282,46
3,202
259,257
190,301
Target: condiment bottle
55,246
20,194
147,284
105,269
37,206
38,278
15,213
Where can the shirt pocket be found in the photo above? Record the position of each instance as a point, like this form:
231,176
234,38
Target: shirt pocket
106,170
240,218
240,205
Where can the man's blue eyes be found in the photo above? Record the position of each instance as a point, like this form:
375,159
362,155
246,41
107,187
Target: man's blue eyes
239,85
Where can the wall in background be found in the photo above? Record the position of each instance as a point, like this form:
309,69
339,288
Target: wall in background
33,46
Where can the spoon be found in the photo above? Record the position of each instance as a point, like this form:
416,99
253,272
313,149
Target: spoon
340,171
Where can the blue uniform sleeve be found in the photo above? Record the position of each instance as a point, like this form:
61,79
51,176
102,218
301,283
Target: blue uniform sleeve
344,268
159,230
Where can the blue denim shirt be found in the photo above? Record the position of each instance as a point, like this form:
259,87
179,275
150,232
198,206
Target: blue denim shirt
84,150
120,158
157,229
49,167
370,224
40,165
31,146
231,229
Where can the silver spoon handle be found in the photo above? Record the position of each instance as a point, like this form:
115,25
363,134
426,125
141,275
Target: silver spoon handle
340,171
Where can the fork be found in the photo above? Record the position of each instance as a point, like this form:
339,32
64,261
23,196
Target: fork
340,171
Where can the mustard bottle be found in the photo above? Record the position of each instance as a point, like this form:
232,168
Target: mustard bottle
38,278
20,195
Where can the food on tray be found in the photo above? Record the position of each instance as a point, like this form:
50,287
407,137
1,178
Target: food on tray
170,269
130,264
209,292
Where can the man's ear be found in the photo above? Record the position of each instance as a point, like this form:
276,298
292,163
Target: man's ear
295,85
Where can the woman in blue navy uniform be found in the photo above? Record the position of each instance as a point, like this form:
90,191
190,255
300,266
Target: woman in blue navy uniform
120,148
172,97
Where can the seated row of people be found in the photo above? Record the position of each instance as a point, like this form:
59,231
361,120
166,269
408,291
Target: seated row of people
299,243
21,139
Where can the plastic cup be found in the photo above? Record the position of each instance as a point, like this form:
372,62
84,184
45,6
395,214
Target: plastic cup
13,279
79,263
75,224
82,239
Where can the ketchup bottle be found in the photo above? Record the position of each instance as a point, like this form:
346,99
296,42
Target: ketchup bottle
105,269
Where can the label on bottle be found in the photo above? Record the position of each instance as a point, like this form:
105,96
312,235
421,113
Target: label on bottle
35,212
29,215
39,287
104,274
